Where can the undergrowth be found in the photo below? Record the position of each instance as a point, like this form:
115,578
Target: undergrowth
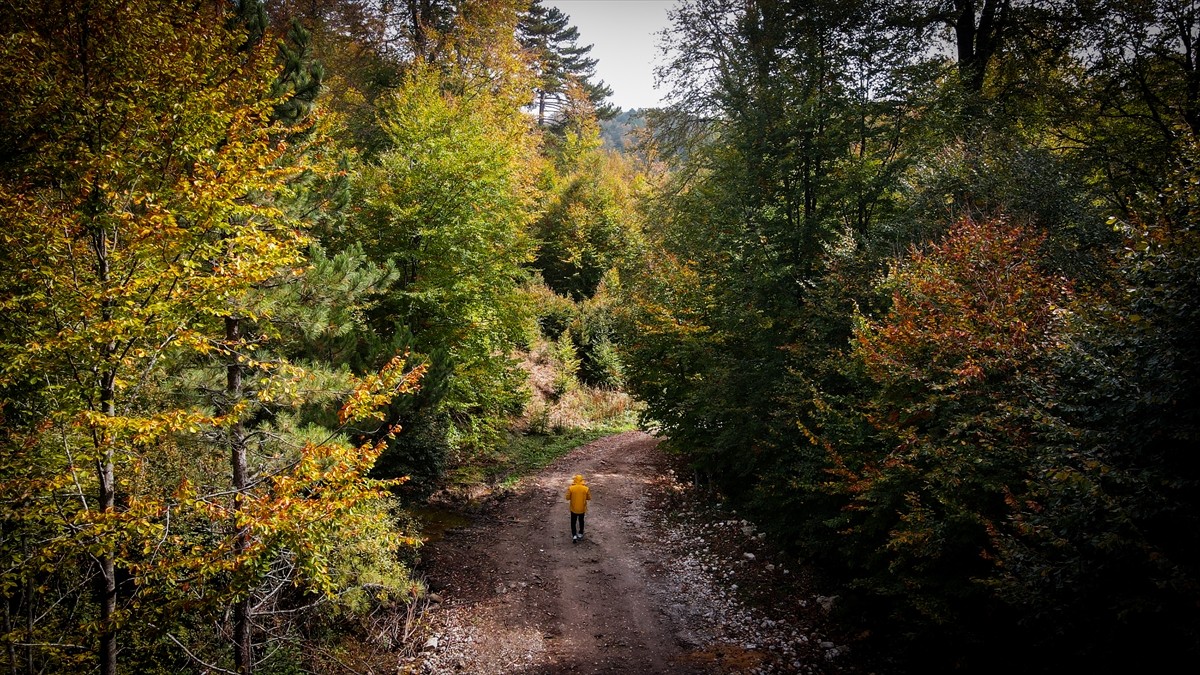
561,414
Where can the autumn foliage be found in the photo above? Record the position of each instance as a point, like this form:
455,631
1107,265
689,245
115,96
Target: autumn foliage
961,368
918,293
144,194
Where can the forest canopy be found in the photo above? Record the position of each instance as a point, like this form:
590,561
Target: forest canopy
913,284
268,278
922,298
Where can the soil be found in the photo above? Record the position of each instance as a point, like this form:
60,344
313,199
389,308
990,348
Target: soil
652,588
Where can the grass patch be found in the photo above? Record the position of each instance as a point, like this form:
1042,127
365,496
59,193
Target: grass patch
529,453
526,453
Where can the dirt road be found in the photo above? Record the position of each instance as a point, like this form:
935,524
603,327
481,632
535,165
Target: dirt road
643,593
533,601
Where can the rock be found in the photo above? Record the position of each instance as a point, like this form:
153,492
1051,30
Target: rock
431,644
434,597
748,555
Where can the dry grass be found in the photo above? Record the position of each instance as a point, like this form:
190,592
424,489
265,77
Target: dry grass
561,415
559,403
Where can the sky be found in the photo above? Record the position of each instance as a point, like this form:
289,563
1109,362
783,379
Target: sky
622,35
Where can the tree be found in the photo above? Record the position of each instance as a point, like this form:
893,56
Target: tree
1103,539
997,45
150,219
790,119
960,360
140,192
980,444
590,225
366,47
1131,99
449,206
546,32
979,32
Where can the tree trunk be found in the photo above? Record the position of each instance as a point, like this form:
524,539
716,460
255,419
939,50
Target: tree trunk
106,588
977,41
1191,70
106,583
418,16
242,633
12,607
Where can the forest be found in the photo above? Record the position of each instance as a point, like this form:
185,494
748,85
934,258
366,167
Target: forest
913,283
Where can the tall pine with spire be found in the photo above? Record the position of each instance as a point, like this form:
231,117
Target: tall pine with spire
563,66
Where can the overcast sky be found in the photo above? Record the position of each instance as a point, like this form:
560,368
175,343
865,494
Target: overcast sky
622,33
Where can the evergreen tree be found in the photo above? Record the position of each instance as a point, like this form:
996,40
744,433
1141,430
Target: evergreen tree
299,82
559,61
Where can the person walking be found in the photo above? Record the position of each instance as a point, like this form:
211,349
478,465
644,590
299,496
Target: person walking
579,495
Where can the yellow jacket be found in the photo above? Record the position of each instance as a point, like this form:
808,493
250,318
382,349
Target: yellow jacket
578,494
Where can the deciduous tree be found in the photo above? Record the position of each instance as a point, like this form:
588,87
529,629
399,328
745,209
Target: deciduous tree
140,191
449,206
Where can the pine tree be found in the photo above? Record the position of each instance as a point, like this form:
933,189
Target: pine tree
301,78
552,41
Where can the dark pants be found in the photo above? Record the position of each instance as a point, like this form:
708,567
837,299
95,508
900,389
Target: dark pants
579,517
